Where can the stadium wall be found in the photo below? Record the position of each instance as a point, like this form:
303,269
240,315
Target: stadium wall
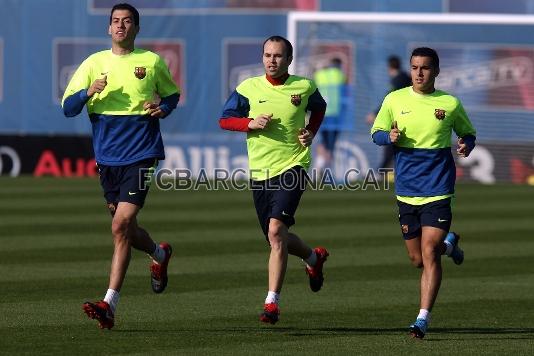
210,46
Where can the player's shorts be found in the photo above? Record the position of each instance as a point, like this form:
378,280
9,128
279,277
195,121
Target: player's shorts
128,183
279,197
413,217
329,138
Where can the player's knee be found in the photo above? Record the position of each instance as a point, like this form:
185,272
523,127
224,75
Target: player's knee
119,227
416,260
275,239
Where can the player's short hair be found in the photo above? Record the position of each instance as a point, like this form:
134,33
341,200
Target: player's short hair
336,61
125,6
289,46
394,62
426,52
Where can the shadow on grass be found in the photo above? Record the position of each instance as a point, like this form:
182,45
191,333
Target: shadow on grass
338,331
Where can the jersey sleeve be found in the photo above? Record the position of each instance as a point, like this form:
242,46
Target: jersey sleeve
462,125
237,105
317,106
384,118
80,80
235,113
316,103
165,85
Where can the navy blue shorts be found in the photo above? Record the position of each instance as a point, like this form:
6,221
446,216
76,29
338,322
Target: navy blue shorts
279,197
128,183
329,139
412,217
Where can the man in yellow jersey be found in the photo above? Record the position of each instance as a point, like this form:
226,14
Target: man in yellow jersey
331,82
418,122
119,86
271,108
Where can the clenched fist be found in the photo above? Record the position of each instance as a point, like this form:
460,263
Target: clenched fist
98,86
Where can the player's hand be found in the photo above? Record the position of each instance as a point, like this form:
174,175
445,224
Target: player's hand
394,134
305,137
462,150
98,86
153,110
260,122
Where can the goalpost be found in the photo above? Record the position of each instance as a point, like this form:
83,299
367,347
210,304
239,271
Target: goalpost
296,17
486,60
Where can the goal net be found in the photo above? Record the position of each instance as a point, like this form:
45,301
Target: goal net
487,61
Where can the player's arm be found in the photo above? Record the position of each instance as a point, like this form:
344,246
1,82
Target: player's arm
317,108
167,90
235,114
80,89
465,131
385,130
73,104
162,109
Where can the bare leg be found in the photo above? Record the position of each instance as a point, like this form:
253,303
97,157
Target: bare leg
278,237
141,240
413,246
297,247
121,228
426,253
432,248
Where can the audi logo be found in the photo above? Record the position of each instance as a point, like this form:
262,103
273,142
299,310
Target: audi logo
8,154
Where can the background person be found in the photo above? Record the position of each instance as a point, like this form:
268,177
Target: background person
398,79
331,82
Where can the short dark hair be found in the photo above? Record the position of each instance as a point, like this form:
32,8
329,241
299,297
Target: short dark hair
394,62
426,52
289,46
125,6
336,61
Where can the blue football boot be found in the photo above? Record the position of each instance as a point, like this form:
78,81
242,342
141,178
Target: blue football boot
418,329
457,253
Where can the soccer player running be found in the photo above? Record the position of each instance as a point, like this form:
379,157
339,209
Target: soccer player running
119,86
271,108
418,121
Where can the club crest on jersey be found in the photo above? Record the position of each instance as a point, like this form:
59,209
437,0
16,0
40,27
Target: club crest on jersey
296,99
439,114
140,72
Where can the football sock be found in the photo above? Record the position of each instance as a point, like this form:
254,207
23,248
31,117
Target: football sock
312,259
448,247
159,254
272,297
424,314
112,298
320,162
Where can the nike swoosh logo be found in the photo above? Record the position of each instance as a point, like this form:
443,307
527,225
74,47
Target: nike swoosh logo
262,101
130,193
441,220
405,112
285,214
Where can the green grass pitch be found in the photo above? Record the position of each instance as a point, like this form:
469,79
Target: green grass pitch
55,248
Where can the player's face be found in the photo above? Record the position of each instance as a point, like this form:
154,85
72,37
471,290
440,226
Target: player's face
123,29
423,74
275,59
